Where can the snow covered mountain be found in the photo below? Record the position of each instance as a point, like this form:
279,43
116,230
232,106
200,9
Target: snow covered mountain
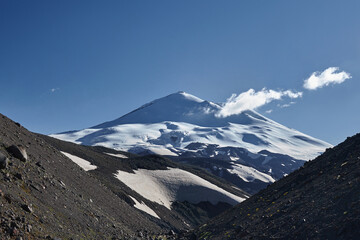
170,124
182,125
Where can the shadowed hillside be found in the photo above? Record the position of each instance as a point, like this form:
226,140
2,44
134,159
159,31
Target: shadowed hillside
321,200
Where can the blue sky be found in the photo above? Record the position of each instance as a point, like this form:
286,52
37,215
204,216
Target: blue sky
68,65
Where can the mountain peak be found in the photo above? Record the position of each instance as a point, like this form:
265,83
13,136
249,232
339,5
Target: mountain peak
184,95
179,107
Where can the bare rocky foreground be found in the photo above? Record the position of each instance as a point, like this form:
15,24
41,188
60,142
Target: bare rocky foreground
47,196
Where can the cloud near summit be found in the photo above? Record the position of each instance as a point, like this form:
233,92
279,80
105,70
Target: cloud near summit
325,78
251,99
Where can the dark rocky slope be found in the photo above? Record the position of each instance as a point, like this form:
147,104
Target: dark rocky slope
47,196
184,215
321,200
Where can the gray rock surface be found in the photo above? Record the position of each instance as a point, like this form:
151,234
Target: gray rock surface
18,152
4,161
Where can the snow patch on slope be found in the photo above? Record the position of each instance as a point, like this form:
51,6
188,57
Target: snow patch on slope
119,155
167,186
249,174
84,164
74,135
191,97
143,207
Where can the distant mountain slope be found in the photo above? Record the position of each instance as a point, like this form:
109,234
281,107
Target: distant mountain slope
319,201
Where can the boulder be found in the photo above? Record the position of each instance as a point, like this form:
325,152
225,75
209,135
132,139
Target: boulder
18,152
4,161
27,208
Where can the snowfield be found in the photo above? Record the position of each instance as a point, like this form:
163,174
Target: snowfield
168,125
171,138
167,186
73,136
249,174
119,155
161,139
86,165
143,207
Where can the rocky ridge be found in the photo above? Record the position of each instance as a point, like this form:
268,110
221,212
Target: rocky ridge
321,200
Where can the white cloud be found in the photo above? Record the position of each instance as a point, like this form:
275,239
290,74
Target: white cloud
325,78
286,105
54,89
269,111
251,100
